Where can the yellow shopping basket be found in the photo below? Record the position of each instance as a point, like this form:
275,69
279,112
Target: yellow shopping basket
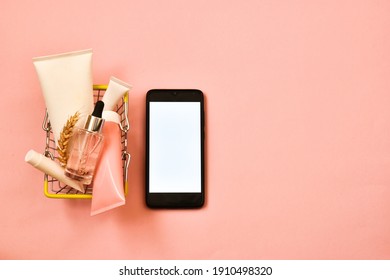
55,189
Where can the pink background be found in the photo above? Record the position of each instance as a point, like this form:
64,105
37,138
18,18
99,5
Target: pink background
297,127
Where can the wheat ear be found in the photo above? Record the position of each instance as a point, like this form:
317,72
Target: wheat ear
65,136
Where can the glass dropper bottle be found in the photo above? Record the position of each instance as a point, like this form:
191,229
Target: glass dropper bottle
86,144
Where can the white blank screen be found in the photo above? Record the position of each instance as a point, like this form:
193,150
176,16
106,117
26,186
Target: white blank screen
174,147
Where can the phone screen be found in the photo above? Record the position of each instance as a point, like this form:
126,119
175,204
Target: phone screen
175,147
174,154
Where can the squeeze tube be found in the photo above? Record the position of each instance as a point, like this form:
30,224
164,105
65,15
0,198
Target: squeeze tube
115,91
67,86
108,190
52,168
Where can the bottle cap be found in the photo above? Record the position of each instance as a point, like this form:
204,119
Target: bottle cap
95,121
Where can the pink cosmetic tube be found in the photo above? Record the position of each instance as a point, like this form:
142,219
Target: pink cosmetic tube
108,189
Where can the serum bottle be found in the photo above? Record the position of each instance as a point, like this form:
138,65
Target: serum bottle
85,148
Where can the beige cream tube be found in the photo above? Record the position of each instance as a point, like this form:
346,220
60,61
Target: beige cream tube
115,91
66,83
51,168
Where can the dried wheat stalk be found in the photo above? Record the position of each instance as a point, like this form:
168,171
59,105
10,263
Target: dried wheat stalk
65,136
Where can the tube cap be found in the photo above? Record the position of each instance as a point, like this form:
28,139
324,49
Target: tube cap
111,116
33,158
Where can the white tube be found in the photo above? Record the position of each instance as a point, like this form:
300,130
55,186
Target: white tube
51,168
115,91
66,83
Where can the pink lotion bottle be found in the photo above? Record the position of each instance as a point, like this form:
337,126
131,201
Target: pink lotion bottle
108,186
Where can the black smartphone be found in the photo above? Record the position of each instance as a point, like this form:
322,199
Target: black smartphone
175,148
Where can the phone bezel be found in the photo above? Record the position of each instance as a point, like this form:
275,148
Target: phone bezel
174,200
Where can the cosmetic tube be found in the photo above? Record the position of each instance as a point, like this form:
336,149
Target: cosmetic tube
108,189
67,87
51,168
115,91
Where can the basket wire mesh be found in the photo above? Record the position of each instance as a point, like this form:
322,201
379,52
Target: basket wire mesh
56,189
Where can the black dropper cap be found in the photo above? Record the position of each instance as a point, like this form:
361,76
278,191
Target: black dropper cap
98,110
95,121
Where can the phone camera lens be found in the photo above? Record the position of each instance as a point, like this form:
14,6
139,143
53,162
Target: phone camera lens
174,93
